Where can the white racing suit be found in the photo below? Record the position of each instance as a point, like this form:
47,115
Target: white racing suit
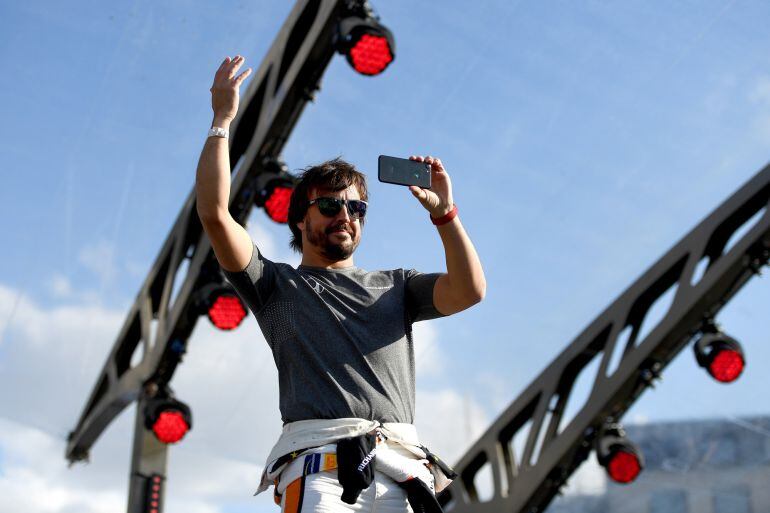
303,468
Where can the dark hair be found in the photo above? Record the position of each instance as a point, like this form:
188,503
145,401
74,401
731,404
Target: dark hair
332,175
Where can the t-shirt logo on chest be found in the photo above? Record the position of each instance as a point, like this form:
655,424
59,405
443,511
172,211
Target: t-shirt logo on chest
314,284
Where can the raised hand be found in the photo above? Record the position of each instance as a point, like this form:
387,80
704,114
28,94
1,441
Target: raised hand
438,199
225,90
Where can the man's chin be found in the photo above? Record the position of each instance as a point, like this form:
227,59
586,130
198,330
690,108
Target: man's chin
339,252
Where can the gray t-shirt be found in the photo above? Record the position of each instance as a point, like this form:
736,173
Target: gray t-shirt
341,338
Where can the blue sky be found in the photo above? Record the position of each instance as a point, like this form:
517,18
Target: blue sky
583,140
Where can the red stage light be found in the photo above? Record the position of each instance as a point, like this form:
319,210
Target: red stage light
371,54
721,355
221,304
726,365
274,188
226,311
169,419
277,204
170,427
152,494
368,46
618,455
623,467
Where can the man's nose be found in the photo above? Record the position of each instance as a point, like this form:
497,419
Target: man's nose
343,213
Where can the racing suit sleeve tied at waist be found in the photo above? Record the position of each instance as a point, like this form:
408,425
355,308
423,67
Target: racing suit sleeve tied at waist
396,452
358,457
355,465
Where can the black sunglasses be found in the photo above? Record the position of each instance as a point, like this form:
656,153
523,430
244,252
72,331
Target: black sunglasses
330,207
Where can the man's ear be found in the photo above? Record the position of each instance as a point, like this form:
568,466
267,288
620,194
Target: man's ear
301,225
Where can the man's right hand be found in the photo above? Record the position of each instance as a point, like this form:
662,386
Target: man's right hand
224,91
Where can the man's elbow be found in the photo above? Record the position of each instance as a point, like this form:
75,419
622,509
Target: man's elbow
475,295
482,291
451,300
478,293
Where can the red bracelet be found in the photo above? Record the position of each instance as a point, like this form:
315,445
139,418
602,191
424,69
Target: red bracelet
438,221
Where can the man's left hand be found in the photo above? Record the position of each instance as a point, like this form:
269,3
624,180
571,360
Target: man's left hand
438,199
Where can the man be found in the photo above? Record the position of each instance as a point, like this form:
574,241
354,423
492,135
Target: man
340,336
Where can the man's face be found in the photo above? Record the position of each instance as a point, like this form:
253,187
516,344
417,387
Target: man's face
335,238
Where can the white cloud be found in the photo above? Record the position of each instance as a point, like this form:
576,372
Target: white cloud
8,306
35,479
60,286
54,355
52,358
448,422
428,356
51,355
223,478
497,390
589,479
99,258
230,381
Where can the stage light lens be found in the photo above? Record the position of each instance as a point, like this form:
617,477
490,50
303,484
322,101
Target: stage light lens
371,54
623,467
226,312
726,365
277,205
170,427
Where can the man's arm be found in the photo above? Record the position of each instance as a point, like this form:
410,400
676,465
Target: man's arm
464,284
230,241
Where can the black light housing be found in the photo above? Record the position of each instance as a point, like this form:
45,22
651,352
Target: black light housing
274,189
367,45
721,355
621,459
168,418
222,305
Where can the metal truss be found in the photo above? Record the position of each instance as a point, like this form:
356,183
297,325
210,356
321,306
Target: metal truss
700,275
158,324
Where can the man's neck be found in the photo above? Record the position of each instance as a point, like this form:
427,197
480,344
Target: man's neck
312,260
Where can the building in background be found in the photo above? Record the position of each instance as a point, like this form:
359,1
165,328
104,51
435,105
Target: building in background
707,466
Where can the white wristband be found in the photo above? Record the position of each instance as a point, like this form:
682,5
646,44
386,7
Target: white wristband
218,132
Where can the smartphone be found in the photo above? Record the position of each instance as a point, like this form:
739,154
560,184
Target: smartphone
403,171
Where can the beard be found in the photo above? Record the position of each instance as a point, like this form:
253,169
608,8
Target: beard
334,251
